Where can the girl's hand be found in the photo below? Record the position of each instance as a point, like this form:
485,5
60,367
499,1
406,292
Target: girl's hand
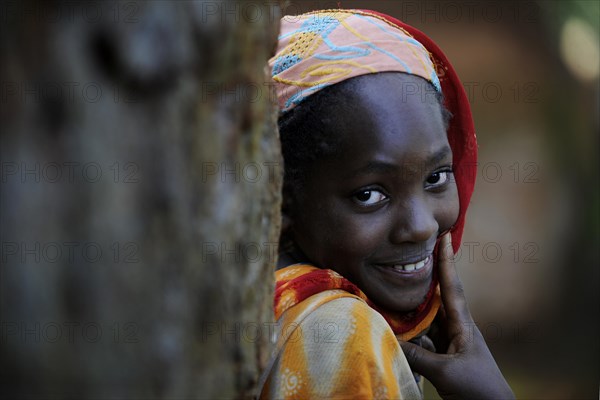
464,368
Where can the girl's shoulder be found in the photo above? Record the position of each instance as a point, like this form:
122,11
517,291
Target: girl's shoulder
342,315
333,342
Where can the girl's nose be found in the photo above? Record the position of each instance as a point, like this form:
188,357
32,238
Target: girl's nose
414,222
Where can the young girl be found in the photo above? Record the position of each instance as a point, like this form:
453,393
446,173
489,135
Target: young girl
379,151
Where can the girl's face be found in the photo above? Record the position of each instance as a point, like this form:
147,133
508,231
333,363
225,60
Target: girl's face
373,211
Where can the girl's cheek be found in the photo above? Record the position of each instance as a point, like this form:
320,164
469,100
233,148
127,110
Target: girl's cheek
363,234
449,209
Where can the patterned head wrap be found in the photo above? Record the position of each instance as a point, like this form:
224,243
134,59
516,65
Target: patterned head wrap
322,48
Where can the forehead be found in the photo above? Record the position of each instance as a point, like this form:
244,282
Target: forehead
391,116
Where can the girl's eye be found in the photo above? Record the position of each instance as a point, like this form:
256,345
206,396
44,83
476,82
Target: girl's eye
438,179
369,197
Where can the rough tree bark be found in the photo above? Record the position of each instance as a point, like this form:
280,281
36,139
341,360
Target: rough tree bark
140,198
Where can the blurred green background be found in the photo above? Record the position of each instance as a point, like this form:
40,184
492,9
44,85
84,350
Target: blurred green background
530,250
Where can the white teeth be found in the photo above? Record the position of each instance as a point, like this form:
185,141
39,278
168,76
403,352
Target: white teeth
409,267
412,267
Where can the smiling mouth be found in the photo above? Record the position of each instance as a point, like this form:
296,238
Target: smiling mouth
412,267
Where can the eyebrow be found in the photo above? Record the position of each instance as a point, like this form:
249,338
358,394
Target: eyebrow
439,155
383,167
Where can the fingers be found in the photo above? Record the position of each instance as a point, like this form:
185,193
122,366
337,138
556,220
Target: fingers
427,344
421,361
452,291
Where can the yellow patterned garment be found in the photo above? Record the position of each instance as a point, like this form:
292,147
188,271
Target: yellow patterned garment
333,345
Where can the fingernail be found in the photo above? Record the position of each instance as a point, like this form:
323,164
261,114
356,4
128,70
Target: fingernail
448,253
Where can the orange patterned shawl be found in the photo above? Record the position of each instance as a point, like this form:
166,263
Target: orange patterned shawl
333,345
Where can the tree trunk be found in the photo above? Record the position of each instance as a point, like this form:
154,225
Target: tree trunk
140,198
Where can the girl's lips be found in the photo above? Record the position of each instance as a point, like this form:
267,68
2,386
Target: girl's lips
419,269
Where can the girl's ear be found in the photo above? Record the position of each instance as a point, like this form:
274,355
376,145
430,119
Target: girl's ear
286,213
286,222
286,243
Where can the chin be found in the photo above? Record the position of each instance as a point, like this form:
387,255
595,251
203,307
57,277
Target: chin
408,303
404,308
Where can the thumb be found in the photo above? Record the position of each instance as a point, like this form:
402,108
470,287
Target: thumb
421,361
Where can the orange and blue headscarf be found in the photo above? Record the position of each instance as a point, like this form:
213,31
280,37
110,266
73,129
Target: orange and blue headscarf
319,49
